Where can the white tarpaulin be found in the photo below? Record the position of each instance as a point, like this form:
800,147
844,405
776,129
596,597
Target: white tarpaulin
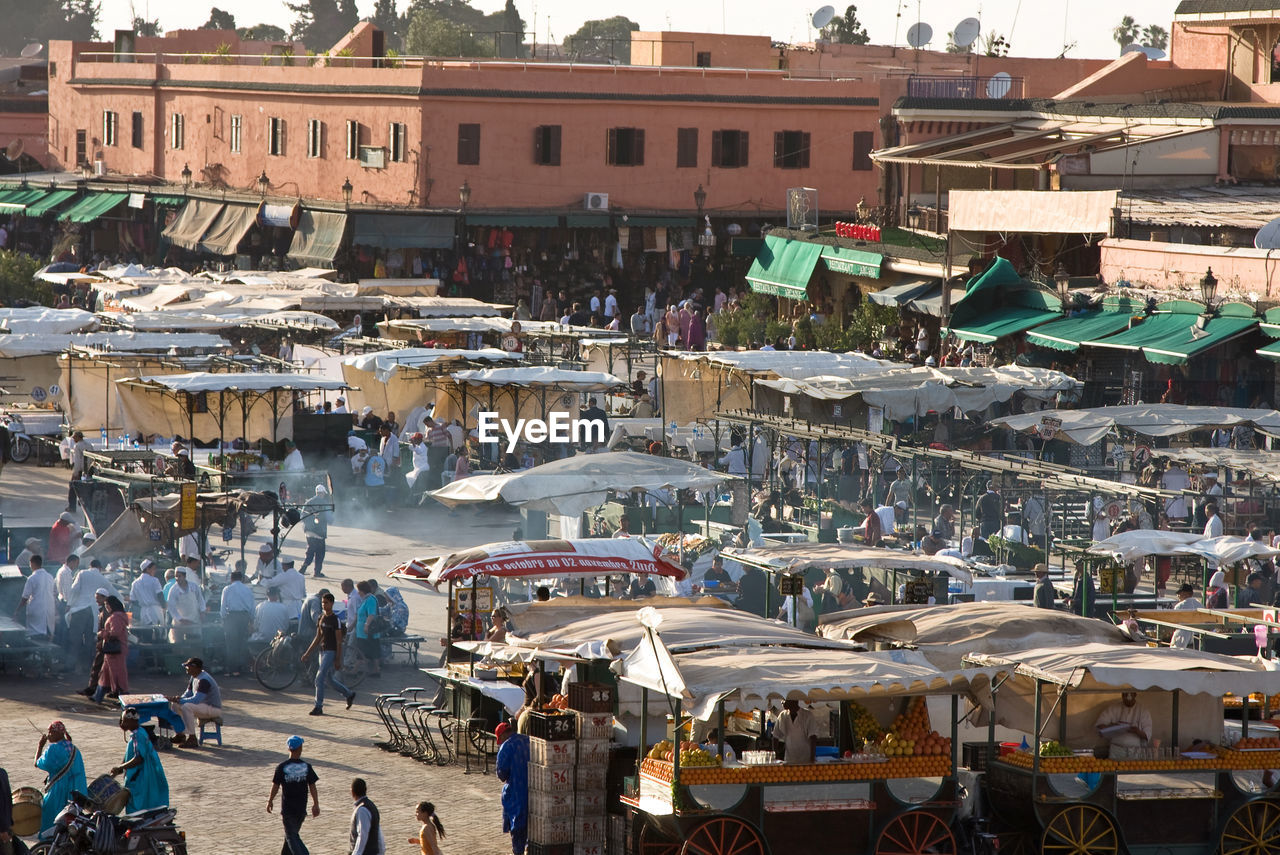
409,328
383,364
1258,464
794,363
570,486
540,559
1139,543
220,319
450,307
204,381
40,321
795,557
1030,211
14,346
1086,427
1228,549
162,295
541,376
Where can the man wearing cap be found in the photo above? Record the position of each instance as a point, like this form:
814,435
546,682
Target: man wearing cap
421,465
316,527
78,447
181,465
293,780
1187,602
268,564
292,586
39,598
61,535
512,769
31,547
1044,596
186,606
292,458
237,617
143,773
146,595
340,407
369,421
202,699
81,600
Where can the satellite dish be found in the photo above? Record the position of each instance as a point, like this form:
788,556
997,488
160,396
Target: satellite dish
919,35
14,150
1153,53
966,32
31,50
823,16
1268,237
1131,48
999,85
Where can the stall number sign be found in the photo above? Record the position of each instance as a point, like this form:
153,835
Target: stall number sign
1049,427
462,600
187,520
791,586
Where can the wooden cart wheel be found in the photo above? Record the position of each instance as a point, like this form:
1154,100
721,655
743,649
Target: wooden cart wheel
916,832
1254,829
724,835
651,841
1080,830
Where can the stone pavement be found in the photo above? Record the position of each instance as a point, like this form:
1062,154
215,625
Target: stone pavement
220,792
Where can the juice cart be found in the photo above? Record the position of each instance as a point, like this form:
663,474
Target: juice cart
1185,790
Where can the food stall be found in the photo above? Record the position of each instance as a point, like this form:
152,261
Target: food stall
1193,787
887,785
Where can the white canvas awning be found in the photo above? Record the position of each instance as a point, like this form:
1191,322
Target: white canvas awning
383,364
796,557
40,321
1031,211
1227,549
1086,427
203,381
541,376
794,363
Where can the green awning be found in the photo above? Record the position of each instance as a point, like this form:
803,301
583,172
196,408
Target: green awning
51,199
515,221
852,262
16,199
317,237
1174,337
92,207
1271,351
664,222
393,231
997,324
587,221
783,267
904,292
1069,333
169,201
745,247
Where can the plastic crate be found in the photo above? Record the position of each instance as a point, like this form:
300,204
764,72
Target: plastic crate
551,805
595,725
545,830
590,804
551,779
590,829
591,697
593,752
975,755
551,752
537,848
591,778
590,849
553,727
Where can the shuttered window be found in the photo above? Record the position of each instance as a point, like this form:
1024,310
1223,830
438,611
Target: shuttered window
791,150
468,145
625,147
863,143
686,147
729,149
546,145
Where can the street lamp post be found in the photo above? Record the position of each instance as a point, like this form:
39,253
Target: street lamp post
464,195
186,176
1208,288
1063,280
346,191
913,217
264,183
700,199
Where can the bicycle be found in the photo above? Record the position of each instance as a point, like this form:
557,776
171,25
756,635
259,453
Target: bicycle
279,664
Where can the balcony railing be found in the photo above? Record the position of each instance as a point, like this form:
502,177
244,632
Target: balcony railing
996,86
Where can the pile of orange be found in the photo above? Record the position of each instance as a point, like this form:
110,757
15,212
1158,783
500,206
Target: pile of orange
1257,742
911,734
895,767
1248,760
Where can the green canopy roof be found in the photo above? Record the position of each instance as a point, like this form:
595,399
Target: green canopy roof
1069,333
1168,338
852,262
1271,351
783,267
16,198
171,201
91,207
994,325
50,200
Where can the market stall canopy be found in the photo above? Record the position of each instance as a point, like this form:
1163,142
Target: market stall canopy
542,559
213,320
797,557
1173,337
1086,427
395,231
1070,332
794,363
1257,463
455,307
383,364
317,237
1000,322
192,222
413,326
999,302
158,297
92,206
226,232
1005,211
573,484
541,377
15,346
783,267
755,678
37,320
904,292
1139,543
203,381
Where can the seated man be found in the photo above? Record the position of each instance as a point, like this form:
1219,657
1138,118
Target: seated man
1126,726
200,700
270,618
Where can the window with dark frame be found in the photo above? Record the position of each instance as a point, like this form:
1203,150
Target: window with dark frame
177,131
397,136
315,138
109,127
625,147
863,143
703,59
546,145
468,145
237,128
791,150
136,130
686,147
275,136
729,149
353,139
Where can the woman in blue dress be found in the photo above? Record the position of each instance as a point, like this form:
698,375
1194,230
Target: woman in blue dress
64,767
143,774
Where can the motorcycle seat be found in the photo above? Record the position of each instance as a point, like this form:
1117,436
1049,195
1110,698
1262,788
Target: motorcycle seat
139,816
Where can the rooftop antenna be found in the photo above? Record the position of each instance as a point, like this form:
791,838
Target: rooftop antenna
32,50
919,35
822,17
966,32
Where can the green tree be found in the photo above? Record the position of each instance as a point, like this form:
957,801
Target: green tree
220,20
143,27
262,33
387,19
995,44
1126,33
17,280
609,38
320,23
38,21
1155,36
432,33
847,29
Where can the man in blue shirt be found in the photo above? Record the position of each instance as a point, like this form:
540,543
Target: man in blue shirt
296,779
237,617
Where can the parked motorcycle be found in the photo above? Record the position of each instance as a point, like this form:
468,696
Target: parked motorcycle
20,442
84,827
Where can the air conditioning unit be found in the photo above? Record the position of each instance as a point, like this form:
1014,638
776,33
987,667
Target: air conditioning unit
596,201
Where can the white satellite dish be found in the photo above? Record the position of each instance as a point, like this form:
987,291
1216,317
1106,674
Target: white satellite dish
31,50
999,85
1154,53
14,149
1268,237
1131,48
823,16
919,35
966,32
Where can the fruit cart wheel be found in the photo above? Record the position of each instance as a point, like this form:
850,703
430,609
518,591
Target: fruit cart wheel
1254,829
915,833
651,841
1080,830
724,835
